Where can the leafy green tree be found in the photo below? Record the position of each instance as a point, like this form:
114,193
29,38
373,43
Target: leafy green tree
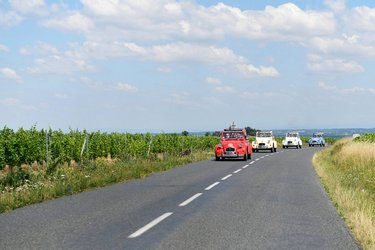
251,131
185,133
216,133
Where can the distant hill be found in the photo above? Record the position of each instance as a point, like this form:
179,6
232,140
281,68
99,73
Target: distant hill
332,132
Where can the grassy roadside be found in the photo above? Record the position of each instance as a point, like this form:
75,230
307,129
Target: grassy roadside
32,183
347,171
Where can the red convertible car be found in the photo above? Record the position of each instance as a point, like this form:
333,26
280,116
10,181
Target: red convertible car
233,144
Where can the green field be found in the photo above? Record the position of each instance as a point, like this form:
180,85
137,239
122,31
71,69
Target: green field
37,165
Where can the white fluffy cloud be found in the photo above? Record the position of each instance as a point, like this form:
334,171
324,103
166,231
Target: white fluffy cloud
224,89
179,27
344,45
40,48
347,91
73,21
336,5
205,54
29,6
286,22
9,74
213,80
11,101
361,19
3,48
173,52
170,19
126,87
358,90
335,65
9,18
250,70
178,32
325,86
60,64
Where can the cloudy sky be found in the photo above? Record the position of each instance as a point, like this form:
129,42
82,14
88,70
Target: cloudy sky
196,65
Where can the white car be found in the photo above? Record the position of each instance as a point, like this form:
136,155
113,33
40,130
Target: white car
292,139
264,140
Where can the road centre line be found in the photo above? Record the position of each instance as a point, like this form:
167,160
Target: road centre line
153,223
238,170
156,221
190,200
211,186
226,177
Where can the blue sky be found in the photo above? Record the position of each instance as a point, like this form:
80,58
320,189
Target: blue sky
167,65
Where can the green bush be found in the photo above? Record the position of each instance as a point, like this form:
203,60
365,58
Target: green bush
15,179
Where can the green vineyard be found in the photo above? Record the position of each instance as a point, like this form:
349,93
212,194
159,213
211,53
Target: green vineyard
56,147
366,138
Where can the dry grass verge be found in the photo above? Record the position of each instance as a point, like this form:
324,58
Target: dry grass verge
347,171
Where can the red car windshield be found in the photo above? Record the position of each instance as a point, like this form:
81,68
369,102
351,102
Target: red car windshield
232,135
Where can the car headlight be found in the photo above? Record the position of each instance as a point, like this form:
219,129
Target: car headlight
240,145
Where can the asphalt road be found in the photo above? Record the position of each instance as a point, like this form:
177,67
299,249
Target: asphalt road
274,201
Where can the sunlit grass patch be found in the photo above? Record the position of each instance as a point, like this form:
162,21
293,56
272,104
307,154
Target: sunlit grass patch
347,171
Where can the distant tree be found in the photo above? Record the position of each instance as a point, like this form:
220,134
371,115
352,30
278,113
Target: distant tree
185,133
207,134
251,131
216,133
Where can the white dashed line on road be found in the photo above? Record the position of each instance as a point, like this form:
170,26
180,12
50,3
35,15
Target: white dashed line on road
190,200
226,177
153,223
156,221
211,186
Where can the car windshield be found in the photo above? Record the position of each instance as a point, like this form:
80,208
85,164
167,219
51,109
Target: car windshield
317,135
291,135
264,134
232,135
